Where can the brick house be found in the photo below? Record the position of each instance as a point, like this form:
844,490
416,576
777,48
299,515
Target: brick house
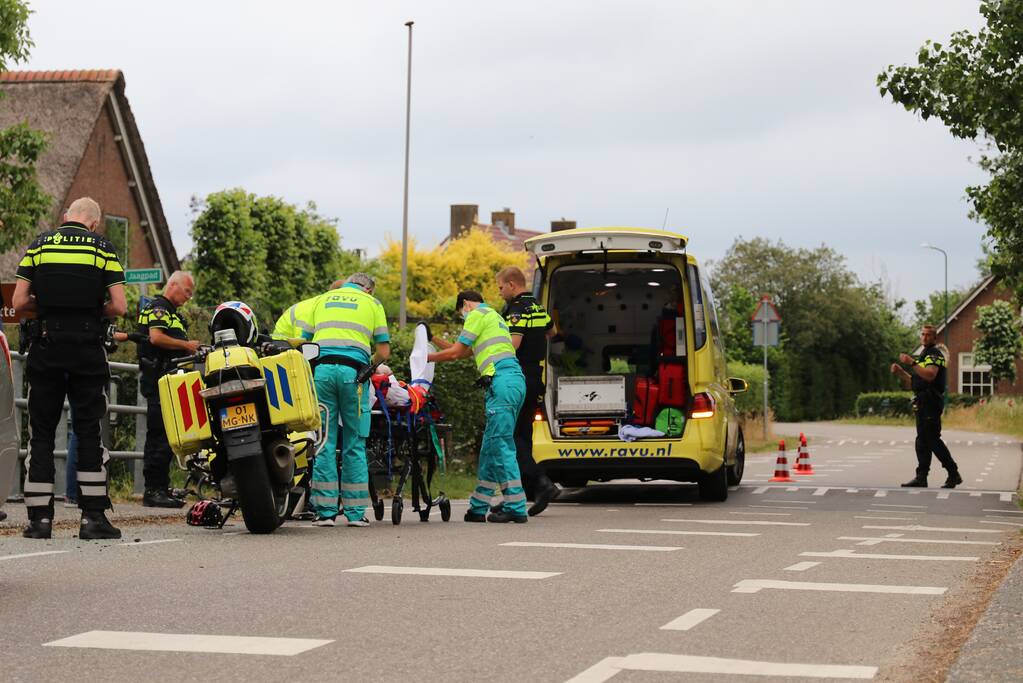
94,149
500,229
965,375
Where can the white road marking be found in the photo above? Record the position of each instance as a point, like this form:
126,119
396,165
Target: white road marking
904,519
880,493
841,442
669,663
752,522
891,443
979,481
943,495
181,642
917,527
592,546
983,521
674,532
445,571
893,505
975,494
663,505
875,556
18,557
690,619
801,566
130,544
969,443
757,585
789,500
871,540
780,507
1005,497
867,442
766,514
1011,512
760,489
604,670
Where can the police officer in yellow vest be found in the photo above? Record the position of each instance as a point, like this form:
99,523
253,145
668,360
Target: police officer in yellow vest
485,337
297,318
347,323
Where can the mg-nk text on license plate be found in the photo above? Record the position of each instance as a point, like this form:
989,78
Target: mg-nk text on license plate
236,417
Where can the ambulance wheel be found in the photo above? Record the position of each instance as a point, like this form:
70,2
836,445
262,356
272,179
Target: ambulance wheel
735,471
378,510
714,486
445,508
396,509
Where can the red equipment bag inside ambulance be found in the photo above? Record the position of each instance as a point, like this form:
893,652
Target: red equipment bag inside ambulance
671,377
644,403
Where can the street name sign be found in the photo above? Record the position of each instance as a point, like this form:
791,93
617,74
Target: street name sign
142,276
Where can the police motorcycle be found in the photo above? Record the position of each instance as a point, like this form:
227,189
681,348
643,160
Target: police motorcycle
247,407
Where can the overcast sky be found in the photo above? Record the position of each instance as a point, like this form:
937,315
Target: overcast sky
753,118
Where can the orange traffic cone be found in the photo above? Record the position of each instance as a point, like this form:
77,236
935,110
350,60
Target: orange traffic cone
781,467
803,465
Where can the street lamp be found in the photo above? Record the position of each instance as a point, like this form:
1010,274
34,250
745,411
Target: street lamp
402,307
925,245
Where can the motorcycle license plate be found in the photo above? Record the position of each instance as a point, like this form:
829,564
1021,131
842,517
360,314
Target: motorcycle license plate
239,416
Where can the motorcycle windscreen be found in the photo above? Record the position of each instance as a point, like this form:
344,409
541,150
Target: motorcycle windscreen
420,370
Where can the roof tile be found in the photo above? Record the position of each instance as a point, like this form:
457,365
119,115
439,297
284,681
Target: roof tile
88,75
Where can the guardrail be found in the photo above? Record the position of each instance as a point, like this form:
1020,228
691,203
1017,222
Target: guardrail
60,442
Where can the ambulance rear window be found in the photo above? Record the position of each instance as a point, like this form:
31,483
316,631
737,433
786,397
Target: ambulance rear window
699,319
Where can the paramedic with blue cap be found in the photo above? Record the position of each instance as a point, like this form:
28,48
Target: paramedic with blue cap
485,337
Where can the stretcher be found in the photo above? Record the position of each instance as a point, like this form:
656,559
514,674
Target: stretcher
404,442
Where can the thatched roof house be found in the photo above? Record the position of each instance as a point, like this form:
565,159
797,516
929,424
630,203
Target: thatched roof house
94,149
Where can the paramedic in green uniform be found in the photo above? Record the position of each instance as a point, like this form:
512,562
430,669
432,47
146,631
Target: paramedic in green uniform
296,318
347,323
485,337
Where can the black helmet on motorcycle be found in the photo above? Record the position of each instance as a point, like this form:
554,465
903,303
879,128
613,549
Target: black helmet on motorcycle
237,316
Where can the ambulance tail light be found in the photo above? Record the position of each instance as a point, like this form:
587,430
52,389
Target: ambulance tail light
703,406
540,415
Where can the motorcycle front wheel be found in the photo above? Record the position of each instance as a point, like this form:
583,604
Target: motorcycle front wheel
255,495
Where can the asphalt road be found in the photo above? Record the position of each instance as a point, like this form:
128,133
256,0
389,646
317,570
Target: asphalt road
815,580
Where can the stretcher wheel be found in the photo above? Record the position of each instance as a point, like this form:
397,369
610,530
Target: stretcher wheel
378,510
424,513
445,507
396,509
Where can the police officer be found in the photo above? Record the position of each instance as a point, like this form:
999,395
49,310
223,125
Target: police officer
351,329
485,337
296,318
71,279
530,328
163,338
927,379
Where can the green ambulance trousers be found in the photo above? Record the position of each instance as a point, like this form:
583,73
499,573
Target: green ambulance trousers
498,464
337,389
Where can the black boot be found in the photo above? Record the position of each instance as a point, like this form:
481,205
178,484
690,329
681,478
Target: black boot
474,517
953,480
159,498
38,528
547,492
96,526
503,517
917,482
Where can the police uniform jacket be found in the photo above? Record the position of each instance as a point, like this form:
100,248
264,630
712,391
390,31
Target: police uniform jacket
527,317
158,314
930,396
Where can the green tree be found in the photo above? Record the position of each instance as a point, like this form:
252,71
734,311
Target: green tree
931,311
261,250
737,306
974,85
22,202
838,335
1001,339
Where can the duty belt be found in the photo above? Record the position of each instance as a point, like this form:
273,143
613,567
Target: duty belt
64,331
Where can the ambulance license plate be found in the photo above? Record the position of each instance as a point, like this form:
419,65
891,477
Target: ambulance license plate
239,416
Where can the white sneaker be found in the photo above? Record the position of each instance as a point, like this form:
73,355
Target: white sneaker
324,521
358,522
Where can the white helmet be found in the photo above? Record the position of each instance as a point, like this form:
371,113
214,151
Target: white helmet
237,316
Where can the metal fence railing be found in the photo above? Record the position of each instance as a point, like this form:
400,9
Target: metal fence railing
117,376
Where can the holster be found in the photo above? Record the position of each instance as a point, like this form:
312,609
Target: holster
485,381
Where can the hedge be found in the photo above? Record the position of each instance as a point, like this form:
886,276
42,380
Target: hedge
900,403
750,402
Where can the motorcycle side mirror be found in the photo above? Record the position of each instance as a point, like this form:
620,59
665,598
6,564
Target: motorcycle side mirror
310,351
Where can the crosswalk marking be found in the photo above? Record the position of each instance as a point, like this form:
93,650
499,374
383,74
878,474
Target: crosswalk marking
876,556
671,663
23,555
674,532
984,521
446,571
750,522
757,585
592,546
132,544
690,619
873,540
918,527
1011,512
181,642
801,566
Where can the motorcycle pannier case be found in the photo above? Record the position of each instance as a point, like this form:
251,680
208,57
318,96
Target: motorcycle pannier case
290,391
184,412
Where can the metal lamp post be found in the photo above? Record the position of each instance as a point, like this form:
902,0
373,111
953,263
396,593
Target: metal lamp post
925,245
402,309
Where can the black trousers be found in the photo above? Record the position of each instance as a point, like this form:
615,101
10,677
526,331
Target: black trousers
928,441
530,472
157,454
79,373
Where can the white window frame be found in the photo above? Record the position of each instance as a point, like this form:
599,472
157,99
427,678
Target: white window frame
967,364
